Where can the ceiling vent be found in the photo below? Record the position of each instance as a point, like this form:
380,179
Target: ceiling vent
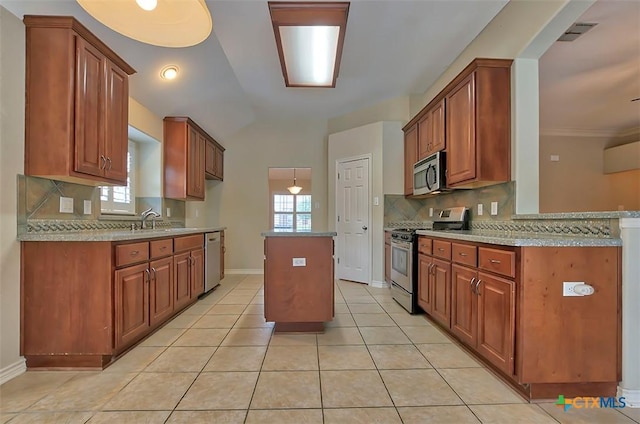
576,30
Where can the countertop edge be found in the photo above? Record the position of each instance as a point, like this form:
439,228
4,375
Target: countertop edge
524,240
109,236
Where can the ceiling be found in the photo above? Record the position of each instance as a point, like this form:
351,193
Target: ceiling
392,48
586,86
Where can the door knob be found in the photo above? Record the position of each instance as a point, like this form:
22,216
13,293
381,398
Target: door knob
364,227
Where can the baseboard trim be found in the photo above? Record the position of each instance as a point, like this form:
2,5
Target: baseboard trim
13,370
631,397
244,271
379,284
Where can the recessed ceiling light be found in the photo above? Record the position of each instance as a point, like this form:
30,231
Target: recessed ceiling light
169,72
147,4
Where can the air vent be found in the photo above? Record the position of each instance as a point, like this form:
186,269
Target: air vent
576,30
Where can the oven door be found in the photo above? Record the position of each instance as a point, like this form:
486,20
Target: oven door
402,264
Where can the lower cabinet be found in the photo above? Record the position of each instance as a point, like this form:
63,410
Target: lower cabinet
387,257
84,303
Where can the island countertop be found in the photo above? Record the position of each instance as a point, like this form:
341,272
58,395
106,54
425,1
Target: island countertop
115,235
272,233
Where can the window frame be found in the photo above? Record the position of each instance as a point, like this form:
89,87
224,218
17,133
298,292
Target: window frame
294,213
111,207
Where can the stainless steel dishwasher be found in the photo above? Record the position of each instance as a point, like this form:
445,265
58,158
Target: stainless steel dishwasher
212,264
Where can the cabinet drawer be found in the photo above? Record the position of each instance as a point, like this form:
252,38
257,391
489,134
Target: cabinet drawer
160,248
464,254
424,245
181,244
442,249
132,253
499,261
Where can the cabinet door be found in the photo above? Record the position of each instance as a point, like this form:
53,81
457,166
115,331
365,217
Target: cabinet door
424,136
89,110
131,304
210,159
496,320
116,123
182,293
424,293
438,128
410,158
461,134
161,290
197,272
219,172
441,291
464,321
195,164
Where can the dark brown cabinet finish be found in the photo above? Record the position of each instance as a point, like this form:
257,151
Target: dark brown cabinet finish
440,287
424,276
214,161
76,112
410,158
464,315
431,135
478,125
134,288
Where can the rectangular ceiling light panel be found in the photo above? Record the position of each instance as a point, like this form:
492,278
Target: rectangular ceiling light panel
309,38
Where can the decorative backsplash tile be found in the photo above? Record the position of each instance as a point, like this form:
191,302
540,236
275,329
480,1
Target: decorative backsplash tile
39,208
397,208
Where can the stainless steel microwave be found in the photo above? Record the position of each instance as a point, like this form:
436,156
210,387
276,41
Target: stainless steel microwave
429,175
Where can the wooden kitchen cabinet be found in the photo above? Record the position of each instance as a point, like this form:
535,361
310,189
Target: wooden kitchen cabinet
478,119
424,276
434,279
182,290
410,157
440,287
184,159
214,161
76,114
431,134
121,290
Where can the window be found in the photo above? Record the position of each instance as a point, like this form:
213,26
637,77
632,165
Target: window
292,212
121,199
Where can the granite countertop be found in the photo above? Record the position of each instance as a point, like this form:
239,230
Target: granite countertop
272,233
507,239
117,235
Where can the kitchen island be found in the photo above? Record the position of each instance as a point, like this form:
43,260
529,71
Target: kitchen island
298,280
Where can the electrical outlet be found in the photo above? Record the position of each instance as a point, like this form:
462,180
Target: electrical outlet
554,158
577,288
168,212
376,201
299,261
66,204
317,205
480,209
197,212
87,207
430,212
494,208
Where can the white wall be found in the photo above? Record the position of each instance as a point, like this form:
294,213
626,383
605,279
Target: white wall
396,109
241,202
12,80
384,141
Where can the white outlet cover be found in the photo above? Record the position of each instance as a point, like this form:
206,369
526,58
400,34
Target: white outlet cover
376,201
299,261
66,204
494,208
567,288
554,158
87,207
168,212
480,209
430,211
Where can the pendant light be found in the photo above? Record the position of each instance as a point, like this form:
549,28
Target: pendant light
294,189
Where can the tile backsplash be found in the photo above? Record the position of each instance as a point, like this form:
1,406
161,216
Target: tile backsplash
39,202
397,208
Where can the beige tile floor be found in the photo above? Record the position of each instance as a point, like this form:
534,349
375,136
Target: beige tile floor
218,362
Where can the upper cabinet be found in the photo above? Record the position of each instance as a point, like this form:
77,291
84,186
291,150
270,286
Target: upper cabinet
478,125
431,134
470,119
190,155
77,97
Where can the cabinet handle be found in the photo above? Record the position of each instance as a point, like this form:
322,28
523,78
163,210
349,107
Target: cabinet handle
134,253
477,284
473,279
154,273
494,261
163,248
146,271
104,162
440,249
109,159
462,254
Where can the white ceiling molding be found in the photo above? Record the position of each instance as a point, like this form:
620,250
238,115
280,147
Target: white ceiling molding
579,132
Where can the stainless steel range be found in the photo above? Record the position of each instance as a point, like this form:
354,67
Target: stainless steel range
404,268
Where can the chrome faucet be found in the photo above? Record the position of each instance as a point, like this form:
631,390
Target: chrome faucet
145,215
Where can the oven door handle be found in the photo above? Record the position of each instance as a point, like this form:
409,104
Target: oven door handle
401,245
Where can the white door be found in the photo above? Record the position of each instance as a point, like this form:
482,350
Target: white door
352,221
